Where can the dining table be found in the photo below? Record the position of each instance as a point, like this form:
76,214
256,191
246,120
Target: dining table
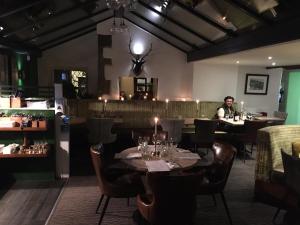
182,159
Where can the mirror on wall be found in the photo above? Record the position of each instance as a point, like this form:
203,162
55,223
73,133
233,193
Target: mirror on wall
138,88
74,82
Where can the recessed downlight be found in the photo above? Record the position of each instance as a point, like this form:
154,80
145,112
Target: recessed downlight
273,63
270,57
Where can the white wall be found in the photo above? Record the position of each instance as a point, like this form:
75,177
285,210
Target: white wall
165,62
212,82
260,103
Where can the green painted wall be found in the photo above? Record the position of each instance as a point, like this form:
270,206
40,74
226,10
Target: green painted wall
293,98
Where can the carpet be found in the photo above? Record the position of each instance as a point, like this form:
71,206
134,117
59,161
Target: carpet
80,196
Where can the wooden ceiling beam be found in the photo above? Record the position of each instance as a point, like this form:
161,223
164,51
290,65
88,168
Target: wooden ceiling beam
250,12
155,35
177,23
8,45
164,30
63,26
20,9
93,25
76,36
268,35
44,19
206,19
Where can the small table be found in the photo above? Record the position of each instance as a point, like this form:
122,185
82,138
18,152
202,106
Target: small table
138,164
267,118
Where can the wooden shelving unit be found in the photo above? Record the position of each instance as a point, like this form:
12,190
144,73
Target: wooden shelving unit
24,155
23,129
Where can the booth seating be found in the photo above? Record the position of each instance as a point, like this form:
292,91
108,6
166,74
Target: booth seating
270,185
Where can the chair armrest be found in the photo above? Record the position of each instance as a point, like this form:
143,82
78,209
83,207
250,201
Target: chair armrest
145,204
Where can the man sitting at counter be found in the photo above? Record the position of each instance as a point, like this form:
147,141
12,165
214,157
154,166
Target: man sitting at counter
226,108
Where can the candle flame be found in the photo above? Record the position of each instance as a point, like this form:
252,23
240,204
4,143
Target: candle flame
156,119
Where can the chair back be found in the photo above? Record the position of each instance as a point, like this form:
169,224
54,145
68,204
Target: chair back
100,130
224,155
205,130
173,127
174,199
291,166
282,115
161,135
251,127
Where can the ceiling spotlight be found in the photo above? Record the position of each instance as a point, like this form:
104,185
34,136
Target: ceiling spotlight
270,57
273,63
1,28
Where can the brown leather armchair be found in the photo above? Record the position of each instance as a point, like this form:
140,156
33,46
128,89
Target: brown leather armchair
172,200
122,186
217,174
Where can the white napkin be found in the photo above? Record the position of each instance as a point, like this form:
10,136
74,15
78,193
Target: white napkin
157,165
134,155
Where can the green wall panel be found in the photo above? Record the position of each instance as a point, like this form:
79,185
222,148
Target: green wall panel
293,99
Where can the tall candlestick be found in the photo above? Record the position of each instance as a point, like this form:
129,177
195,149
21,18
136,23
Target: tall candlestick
155,126
197,102
105,102
167,102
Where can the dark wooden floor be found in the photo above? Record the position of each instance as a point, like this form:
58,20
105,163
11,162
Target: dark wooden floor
28,202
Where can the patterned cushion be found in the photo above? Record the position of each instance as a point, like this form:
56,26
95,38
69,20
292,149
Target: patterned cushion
270,141
296,149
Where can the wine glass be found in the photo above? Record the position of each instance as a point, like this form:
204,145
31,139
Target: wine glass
140,142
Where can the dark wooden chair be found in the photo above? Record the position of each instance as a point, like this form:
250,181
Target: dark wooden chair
173,127
121,186
172,200
250,134
217,174
161,135
204,133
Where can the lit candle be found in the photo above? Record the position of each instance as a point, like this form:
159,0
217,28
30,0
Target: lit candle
242,106
153,99
167,102
155,126
99,98
122,98
130,96
105,101
197,102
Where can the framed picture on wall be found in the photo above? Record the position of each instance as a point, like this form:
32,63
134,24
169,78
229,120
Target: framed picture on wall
256,84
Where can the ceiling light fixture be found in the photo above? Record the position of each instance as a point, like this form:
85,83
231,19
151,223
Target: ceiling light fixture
273,63
270,57
117,4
